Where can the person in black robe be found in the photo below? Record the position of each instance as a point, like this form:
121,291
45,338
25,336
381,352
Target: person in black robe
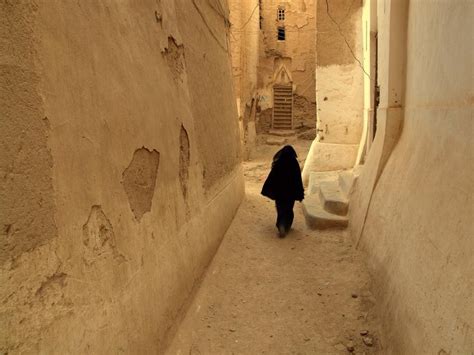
284,185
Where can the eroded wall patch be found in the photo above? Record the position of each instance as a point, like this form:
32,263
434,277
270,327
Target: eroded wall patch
174,55
98,234
184,159
139,180
99,238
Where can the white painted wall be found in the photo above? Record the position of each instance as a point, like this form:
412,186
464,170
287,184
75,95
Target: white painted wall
419,226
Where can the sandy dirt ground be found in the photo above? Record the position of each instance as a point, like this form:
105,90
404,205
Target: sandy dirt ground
308,293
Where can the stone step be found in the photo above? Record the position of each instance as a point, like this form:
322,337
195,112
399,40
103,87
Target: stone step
332,198
318,218
282,132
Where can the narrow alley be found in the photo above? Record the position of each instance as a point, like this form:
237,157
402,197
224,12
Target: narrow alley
137,137
307,293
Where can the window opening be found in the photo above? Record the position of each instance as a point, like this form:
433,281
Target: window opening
281,14
281,33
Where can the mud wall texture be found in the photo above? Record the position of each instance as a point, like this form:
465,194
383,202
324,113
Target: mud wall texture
120,169
244,39
244,42
418,229
339,86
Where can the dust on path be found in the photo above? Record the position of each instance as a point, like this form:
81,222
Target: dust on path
305,294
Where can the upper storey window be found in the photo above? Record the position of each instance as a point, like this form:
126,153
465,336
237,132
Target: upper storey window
281,34
281,14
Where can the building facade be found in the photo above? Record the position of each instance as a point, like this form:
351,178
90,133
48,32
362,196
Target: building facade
269,39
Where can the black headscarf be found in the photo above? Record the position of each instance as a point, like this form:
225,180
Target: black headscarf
284,181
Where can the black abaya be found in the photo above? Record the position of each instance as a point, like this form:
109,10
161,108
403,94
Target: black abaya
284,185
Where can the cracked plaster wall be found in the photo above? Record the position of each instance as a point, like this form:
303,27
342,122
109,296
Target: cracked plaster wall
88,85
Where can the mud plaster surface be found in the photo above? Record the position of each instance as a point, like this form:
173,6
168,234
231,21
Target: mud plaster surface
336,43
262,294
304,111
25,160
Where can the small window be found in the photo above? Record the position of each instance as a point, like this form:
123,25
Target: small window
281,33
281,14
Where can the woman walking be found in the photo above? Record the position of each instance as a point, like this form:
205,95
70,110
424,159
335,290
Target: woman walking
284,185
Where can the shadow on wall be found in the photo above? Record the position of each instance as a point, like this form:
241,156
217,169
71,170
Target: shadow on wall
184,160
